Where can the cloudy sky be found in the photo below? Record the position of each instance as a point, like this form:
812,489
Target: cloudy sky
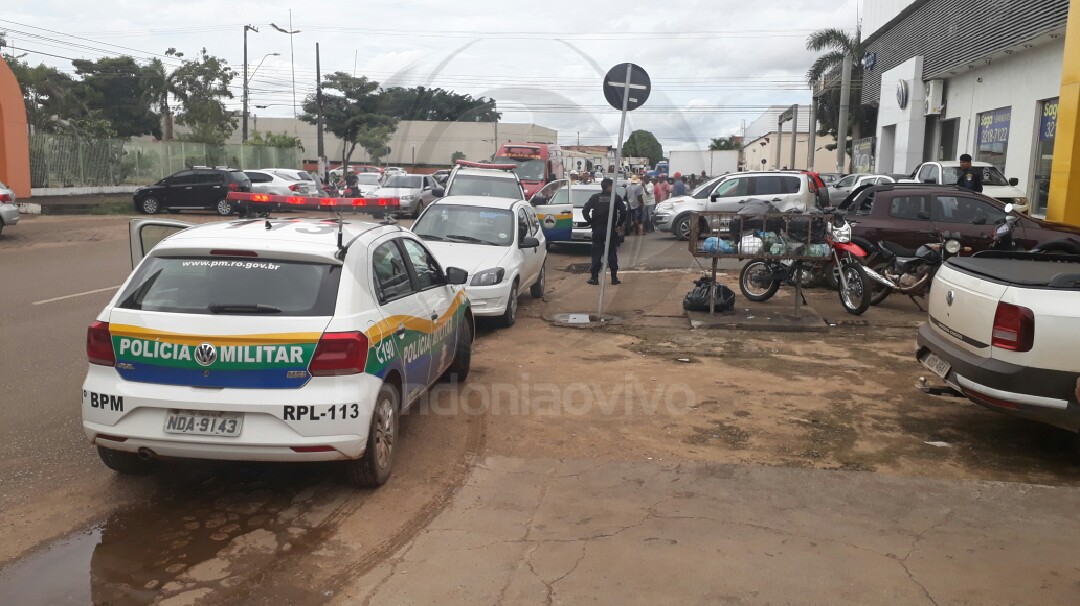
714,63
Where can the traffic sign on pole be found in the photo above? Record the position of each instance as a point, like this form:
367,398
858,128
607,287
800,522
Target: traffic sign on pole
616,83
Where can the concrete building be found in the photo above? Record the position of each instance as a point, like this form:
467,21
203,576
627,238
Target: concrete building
761,138
965,76
416,143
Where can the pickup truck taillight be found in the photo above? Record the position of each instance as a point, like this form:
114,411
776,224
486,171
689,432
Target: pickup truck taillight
99,348
339,353
1014,327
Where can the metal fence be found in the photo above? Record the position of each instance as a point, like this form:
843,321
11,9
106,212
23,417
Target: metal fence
70,161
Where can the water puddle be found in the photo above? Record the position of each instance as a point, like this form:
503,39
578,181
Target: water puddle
143,553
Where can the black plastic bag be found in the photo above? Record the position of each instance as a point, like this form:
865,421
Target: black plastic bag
799,228
698,298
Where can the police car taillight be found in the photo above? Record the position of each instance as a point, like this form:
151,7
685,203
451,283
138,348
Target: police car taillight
99,348
339,353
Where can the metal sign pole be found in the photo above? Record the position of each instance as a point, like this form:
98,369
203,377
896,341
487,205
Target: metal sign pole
611,198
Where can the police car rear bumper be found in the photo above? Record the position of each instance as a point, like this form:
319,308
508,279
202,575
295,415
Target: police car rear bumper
128,416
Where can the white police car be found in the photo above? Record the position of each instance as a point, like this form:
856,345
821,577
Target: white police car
498,241
271,340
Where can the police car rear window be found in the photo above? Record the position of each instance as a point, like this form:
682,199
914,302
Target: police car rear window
233,286
474,185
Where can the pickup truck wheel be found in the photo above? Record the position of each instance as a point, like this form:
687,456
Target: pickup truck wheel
125,462
373,469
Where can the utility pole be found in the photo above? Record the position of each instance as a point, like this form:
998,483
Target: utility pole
794,133
320,151
842,123
812,141
244,129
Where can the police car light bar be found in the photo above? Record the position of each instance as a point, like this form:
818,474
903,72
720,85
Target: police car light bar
467,164
311,203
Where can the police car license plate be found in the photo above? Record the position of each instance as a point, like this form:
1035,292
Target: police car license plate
203,423
937,365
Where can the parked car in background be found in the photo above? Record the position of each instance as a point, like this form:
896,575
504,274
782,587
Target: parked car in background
850,183
479,179
830,179
440,176
577,195
498,241
912,215
1001,331
368,183
414,191
9,213
197,188
278,184
394,170
995,184
784,190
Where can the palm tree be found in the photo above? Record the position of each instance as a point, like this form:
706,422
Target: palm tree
725,143
157,85
838,44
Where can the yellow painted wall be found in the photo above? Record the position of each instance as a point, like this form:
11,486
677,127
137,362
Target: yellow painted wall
1064,203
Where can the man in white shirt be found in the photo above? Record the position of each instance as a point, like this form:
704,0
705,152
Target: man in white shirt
650,204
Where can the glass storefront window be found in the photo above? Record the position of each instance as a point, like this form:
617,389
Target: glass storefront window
1044,155
992,138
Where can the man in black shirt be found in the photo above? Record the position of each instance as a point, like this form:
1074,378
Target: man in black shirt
596,216
970,177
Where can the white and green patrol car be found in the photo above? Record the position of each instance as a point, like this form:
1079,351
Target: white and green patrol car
271,340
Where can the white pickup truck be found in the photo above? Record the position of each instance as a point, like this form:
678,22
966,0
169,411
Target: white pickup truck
1004,331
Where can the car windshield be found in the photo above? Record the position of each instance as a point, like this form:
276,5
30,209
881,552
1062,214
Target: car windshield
990,176
367,179
195,285
404,181
475,185
847,181
527,170
469,224
579,197
704,190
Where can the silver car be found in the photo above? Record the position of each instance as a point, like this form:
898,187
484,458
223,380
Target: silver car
840,190
279,182
414,192
9,213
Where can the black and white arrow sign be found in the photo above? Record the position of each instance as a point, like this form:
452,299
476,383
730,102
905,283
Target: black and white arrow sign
615,85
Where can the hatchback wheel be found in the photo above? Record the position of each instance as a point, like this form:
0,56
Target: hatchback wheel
509,317
150,206
224,207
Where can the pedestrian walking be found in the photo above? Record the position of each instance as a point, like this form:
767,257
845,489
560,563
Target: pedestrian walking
635,200
597,217
970,178
679,189
650,204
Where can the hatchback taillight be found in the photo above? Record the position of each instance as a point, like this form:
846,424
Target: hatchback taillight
294,187
99,348
5,198
234,187
339,353
1014,327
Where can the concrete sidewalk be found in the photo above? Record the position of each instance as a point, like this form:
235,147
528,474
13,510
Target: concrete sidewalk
574,532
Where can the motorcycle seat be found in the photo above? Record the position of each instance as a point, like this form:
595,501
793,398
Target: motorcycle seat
897,250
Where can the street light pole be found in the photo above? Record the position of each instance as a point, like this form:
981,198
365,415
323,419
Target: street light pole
292,61
244,128
318,115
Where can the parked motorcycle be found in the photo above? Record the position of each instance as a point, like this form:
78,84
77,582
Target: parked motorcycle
910,272
760,279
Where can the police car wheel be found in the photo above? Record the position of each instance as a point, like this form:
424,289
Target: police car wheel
373,469
459,368
537,290
125,462
509,316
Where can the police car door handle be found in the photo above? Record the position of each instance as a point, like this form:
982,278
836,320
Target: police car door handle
434,315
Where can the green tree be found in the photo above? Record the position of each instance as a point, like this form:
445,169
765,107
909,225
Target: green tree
435,104
374,139
157,85
112,87
350,111
458,155
271,140
642,143
726,143
838,44
200,85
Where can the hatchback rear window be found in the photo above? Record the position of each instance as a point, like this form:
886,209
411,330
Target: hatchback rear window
233,286
240,176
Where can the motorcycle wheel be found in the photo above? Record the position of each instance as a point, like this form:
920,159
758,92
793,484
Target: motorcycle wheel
856,297
879,293
752,281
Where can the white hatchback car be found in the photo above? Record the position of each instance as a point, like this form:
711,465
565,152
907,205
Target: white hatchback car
498,241
271,340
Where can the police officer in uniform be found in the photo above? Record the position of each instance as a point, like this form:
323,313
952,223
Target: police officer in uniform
595,214
970,178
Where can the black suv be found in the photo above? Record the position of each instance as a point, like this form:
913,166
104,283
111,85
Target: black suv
198,188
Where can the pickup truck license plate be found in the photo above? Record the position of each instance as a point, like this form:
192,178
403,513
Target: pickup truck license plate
202,423
937,365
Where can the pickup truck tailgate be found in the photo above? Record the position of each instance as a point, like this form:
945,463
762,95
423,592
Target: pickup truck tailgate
962,308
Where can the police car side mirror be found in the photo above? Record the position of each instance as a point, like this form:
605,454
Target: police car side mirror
438,191
1014,181
530,242
456,276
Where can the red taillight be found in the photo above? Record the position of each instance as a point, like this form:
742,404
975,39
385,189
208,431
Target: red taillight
5,198
234,187
294,187
1014,327
339,353
312,448
99,344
